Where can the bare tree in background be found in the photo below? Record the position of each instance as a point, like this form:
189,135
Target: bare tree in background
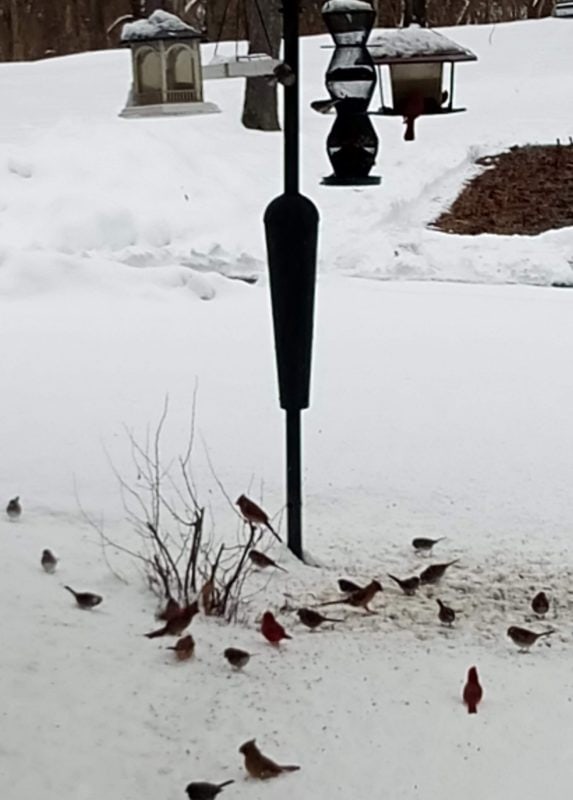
264,24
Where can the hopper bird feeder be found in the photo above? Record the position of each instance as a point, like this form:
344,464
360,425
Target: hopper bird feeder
352,144
416,57
563,9
166,64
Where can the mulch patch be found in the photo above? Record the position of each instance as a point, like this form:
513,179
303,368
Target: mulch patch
526,190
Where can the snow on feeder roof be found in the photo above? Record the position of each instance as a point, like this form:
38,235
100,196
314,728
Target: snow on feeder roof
159,25
414,44
342,6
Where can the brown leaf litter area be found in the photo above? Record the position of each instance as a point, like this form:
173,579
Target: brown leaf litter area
525,191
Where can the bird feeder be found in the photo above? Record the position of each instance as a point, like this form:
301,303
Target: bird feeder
416,58
352,144
166,65
564,9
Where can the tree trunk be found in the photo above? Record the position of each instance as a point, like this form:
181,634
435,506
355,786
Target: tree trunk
260,104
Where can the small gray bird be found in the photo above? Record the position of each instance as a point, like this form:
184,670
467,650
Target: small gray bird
14,508
408,585
435,572
423,545
540,604
446,614
313,619
236,657
347,586
523,638
200,790
85,599
49,561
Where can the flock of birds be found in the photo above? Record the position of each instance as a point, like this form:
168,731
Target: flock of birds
177,618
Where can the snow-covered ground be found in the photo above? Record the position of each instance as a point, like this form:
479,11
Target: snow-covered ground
438,409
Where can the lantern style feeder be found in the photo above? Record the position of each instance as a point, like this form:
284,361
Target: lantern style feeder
563,9
352,144
166,64
416,58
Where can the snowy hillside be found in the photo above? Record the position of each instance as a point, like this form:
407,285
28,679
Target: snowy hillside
440,408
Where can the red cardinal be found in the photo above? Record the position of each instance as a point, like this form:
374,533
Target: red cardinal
473,692
412,108
272,630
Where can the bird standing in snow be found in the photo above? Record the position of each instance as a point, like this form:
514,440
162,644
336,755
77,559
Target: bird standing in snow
312,619
408,585
423,545
360,598
237,658
183,648
435,572
49,562
523,638
85,599
540,604
347,586
14,508
446,614
263,561
201,790
258,765
272,630
255,515
473,691
177,623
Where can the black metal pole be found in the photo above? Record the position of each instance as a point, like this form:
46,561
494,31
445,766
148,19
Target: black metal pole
291,169
291,120
294,480
291,226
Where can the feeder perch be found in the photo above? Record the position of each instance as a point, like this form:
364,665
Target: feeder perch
352,144
166,66
416,58
253,65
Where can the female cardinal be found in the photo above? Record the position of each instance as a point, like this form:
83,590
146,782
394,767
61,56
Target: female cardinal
184,648
177,623
473,692
258,765
255,515
272,630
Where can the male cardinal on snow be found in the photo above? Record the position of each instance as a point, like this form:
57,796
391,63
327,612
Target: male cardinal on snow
473,692
272,630
255,514
411,110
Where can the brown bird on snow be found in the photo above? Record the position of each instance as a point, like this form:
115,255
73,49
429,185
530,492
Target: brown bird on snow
408,585
312,619
49,562
177,624
423,545
262,561
540,604
473,691
435,572
237,658
258,765
523,638
347,586
85,599
360,598
255,514
446,614
184,648
14,509
172,608
201,790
